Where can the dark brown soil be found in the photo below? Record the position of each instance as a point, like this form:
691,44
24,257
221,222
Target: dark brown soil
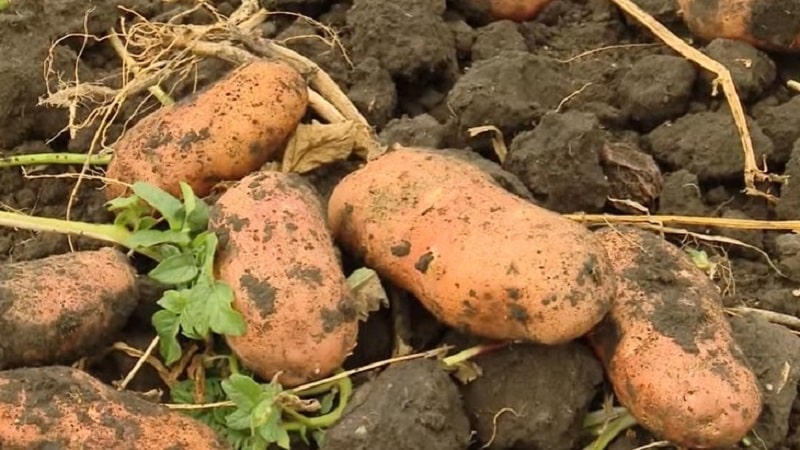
591,107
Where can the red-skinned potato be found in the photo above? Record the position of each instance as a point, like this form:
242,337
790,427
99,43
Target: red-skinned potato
57,309
277,254
517,10
219,134
668,348
479,258
768,24
65,408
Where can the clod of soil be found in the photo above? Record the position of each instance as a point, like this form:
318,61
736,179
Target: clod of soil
510,91
533,397
409,38
781,123
774,353
788,207
412,405
706,144
559,161
681,195
752,70
632,175
497,37
657,88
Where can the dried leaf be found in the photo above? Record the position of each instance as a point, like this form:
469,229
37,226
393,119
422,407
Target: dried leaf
368,292
317,144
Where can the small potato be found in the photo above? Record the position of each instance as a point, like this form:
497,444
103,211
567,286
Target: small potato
58,309
668,348
768,24
59,407
220,134
479,258
517,10
277,254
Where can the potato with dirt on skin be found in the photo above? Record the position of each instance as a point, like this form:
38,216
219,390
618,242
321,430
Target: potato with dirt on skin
767,24
516,10
481,259
57,309
277,254
668,348
219,134
65,408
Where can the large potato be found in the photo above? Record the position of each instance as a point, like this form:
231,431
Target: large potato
668,348
59,407
767,24
277,254
478,257
220,134
57,309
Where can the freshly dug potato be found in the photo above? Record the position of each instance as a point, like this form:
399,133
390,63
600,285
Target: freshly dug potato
277,254
58,309
767,24
68,409
668,348
479,258
220,134
517,10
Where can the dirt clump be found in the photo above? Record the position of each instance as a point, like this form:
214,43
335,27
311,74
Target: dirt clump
559,162
411,405
533,397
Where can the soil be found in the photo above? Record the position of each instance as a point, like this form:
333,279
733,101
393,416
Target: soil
595,113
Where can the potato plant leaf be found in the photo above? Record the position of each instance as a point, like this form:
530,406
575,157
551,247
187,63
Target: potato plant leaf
169,206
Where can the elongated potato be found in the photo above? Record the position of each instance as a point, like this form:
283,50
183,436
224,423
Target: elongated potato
57,309
222,133
668,349
277,254
65,408
767,24
479,258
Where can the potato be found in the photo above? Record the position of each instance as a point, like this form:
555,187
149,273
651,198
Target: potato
767,24
277,254
220,134
517,10
481,259
65,408
668,348
57,309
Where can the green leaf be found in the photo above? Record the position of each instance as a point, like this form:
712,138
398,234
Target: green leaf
173,301
166,324
222,318
207,243
120,203
238,420
194,320
195,210
175,270
151,238
169,207
243,391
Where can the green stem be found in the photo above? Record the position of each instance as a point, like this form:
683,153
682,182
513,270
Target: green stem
40,159
472,352
611,431
326,420
603,416
103,232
